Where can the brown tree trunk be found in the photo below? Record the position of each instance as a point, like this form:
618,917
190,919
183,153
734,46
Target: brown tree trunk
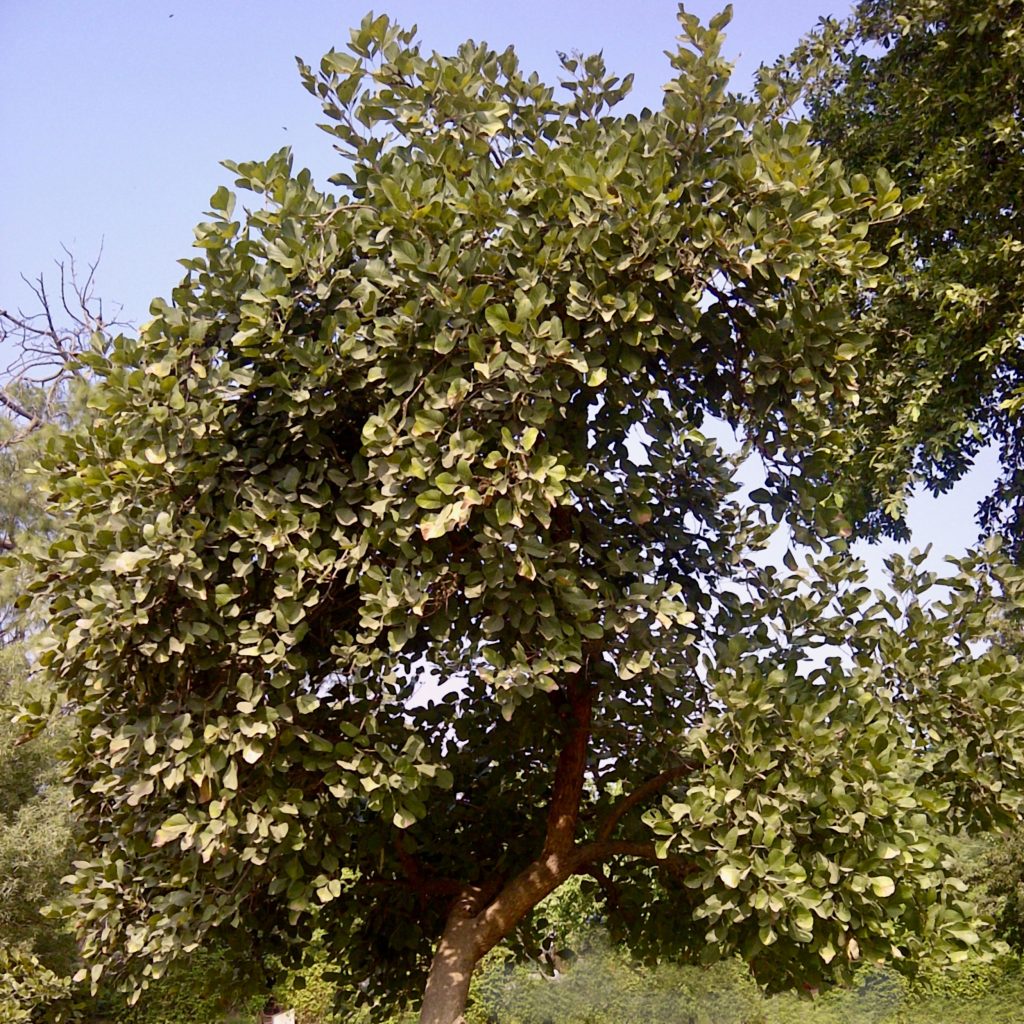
444,998
482,918
476,924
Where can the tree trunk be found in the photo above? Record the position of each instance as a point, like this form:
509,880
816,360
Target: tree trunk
447,990
482,917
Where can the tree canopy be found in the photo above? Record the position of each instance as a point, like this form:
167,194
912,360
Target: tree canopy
397,584
930,90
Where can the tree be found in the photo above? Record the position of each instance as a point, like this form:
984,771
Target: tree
37,957
41,392
930,89
399,584
38,387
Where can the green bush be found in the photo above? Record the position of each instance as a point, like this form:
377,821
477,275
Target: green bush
310,994
202,988
603,987
875,998
26,985
600,986
969,993
317,998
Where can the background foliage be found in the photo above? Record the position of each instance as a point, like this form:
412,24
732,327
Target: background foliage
930,90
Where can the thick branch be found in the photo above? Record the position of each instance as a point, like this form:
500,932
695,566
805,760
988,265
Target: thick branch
598,852
638,796
557,860
425,886
564,809
591,855
480,919
607,884
520,896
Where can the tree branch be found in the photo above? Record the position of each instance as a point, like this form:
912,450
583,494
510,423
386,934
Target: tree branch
13,404
597,852
46,347
590,856
638,796
422,887
608,886
564,809
503,910
422,884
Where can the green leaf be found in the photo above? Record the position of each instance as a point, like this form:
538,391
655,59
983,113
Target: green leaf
882,886
307,703
730,875
497,317
403,819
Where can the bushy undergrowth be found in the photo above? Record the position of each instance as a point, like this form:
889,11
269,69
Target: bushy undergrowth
201,989
26,984
603,988
600,986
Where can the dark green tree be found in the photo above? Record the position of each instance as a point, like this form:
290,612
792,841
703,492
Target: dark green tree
399,585
931,90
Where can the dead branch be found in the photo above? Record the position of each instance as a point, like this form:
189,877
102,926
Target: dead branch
46,342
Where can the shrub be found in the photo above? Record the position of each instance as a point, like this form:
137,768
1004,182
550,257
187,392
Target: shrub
603,987
26,985
203,988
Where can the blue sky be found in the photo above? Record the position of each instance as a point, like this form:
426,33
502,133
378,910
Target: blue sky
115,114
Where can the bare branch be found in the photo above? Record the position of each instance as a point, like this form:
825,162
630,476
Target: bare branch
15,406
46,343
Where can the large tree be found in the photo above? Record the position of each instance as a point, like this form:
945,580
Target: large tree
931,90
399,584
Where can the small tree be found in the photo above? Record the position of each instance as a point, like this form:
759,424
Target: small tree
400,586
41,384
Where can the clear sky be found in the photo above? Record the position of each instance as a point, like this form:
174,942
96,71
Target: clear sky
115,114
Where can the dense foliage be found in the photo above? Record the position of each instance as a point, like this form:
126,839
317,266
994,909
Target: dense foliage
395,583
931,90
36,956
